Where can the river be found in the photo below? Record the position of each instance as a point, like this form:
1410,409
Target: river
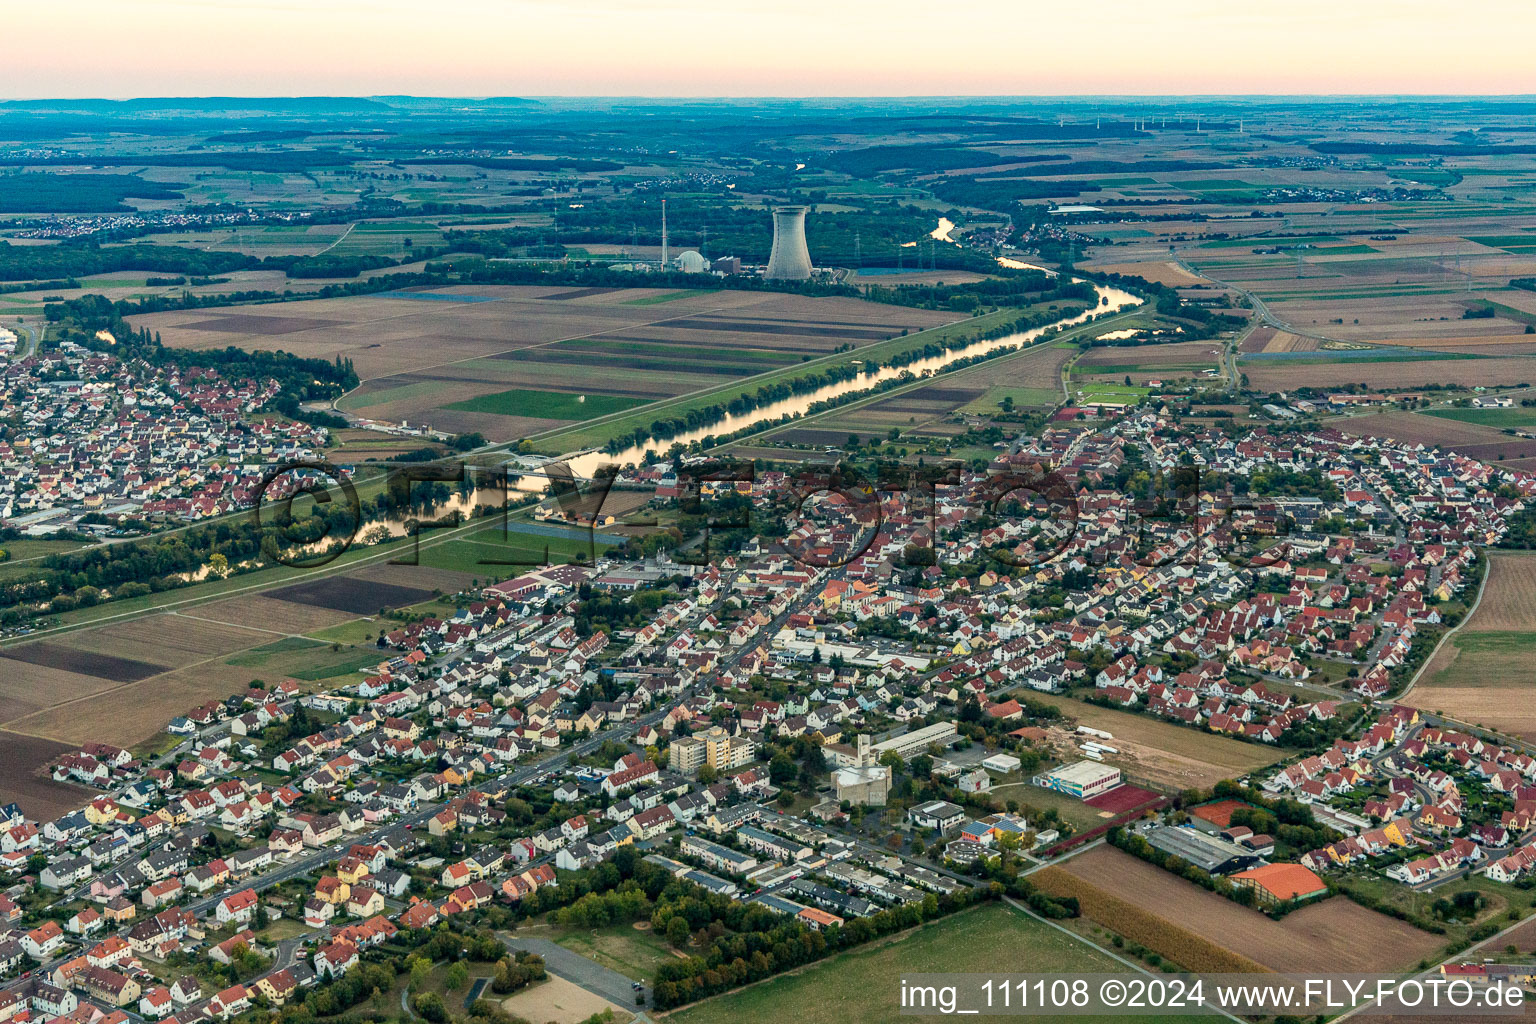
941,232
1013,264
1110,300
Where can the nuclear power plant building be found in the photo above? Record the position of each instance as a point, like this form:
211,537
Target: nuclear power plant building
789,260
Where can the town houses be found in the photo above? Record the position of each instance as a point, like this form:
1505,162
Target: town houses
157,443
486,746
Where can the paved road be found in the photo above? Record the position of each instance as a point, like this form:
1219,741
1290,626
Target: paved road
578,970
1466,618
312,862
30,337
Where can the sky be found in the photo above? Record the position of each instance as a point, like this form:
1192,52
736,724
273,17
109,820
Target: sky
126,48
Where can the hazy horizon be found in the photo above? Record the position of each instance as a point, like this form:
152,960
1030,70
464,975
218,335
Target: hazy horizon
1000,98
674,49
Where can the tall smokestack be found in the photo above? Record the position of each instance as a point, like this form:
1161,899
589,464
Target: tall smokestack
663,234
789,260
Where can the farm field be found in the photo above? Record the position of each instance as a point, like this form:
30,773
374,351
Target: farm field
1355,288
81,708
488,554
1387,374
546,405
464,357
1499,418
1163,272
262,239
1160,752
860,986
129,286
1321,937
1030,377
97,683
23,781
1485,673
1267,339
595,434
386,237
1473,440
1163,359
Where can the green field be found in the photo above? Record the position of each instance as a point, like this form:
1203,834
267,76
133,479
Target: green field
304,658
1496,642
1265,242
387,237
1420,904
1492,661
285,238
683,352
1214,185
1502,418
1357,249
1071,810
26,547
1422,355
358,631
631,951
1151,369
160,743
343,662
546,405
1096,390
356,401
863,986
668,360
595,434
653,300
1504,241
1023,398
258,655
489,555
1426,175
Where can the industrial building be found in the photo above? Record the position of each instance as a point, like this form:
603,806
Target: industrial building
1208,853
1083,779
910,744
1001,763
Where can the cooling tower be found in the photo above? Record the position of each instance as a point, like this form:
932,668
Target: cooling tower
789,260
